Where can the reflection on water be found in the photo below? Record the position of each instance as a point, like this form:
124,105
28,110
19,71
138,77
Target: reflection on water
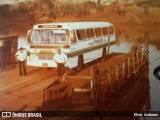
136,97
154,83
139,35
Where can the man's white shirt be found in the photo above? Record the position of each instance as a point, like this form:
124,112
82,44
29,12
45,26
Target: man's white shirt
60,58
21,55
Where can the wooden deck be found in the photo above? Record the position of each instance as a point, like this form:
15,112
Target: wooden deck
26,91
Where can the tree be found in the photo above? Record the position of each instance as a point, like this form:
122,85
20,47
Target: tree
99,2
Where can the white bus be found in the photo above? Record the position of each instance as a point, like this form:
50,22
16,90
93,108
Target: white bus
82,42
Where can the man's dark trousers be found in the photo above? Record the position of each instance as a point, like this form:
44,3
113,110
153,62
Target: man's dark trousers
60,69
22,68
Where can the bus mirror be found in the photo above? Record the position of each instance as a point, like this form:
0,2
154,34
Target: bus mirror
28,53
29,36
73,38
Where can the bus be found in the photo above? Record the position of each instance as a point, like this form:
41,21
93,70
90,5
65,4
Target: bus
82,42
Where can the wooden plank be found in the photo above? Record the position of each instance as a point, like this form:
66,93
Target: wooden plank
61,95
81,90
79,77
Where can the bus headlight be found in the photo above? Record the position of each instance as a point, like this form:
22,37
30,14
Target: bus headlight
33,50
32,56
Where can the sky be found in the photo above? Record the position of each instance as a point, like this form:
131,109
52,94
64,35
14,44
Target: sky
2,2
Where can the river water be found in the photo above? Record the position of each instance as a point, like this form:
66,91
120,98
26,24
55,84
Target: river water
125,37
139,35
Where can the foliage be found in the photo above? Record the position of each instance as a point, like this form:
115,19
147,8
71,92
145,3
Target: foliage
54,9
152,3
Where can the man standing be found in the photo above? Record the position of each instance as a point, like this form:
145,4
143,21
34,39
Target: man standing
60,58
21,57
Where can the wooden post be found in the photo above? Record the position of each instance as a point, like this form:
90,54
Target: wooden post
133,63
117,73
108,45
50,93
92,77
109,78
47,101
123,69
64,79
128,59
142,56
100,69
147,51
137,58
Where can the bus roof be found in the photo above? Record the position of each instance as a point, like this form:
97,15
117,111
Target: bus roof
72,25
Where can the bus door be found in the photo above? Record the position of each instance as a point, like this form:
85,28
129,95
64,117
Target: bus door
73,37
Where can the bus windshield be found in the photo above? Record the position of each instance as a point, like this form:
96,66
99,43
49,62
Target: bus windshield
50,36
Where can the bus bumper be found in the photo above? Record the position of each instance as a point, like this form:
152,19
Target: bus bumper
42,63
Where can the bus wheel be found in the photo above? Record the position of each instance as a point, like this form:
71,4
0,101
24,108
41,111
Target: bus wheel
103,55
80,62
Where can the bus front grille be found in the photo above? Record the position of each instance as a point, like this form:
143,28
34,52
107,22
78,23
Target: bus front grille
45,56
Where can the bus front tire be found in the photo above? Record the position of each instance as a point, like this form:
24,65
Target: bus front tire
103,55
80,62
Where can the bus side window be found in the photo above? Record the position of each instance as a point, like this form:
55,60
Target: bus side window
98,32
105,31
90,33
81,34
73,37
111,30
